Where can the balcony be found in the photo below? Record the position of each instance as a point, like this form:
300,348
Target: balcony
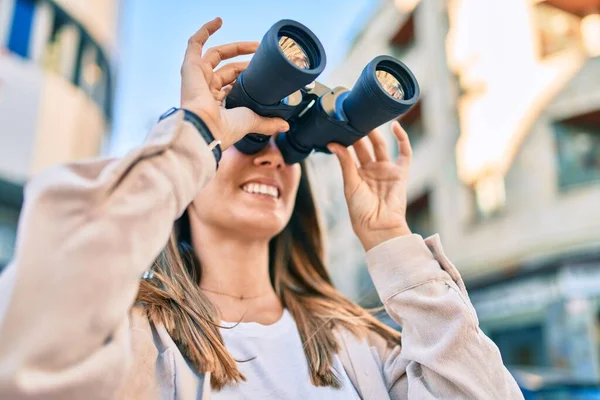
45,120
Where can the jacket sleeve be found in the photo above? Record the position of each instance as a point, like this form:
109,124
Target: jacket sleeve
87,232
444,353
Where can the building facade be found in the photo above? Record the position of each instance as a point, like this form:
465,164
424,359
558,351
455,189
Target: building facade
506,142
56,86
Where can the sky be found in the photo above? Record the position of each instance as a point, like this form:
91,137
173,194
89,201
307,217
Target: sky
153,36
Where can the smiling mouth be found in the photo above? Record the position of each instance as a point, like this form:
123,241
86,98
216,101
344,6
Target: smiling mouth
261,190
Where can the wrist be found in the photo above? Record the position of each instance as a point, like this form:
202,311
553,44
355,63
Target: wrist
204,112
205,117
202,127
374,238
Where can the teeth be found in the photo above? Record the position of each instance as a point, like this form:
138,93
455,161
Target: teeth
261,189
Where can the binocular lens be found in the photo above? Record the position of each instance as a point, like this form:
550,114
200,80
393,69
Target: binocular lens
390,84
294,52
385,89
288,58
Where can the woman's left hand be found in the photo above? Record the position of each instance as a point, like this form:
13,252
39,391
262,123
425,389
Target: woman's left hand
375,190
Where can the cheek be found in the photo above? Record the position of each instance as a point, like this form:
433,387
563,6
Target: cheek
293,182
214,201
219,190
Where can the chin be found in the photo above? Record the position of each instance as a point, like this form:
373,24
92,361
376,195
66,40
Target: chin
261,226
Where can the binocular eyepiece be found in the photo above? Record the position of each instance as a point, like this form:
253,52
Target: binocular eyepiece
280,81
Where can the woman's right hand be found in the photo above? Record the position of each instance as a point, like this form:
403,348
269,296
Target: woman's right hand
203,88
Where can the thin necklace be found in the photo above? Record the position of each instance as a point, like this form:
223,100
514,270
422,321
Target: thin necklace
241,297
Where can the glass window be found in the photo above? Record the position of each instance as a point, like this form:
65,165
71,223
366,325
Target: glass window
523,346
92,73
412,122
415,130
578,147
45,33
20,32
419,217
404,38
8,229
61,51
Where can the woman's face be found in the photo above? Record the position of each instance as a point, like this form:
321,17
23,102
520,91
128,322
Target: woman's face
253,195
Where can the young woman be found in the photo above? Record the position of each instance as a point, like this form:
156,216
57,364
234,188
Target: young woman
235,301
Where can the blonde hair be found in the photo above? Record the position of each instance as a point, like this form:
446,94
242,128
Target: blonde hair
299,277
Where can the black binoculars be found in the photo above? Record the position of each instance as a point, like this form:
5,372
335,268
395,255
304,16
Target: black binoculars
280,81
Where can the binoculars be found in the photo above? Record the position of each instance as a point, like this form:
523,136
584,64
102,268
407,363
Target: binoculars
280,81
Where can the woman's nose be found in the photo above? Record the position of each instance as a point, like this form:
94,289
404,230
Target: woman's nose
270,156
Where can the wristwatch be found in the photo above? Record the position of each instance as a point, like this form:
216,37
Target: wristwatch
213,144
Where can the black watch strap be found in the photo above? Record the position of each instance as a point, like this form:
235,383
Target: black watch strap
200,127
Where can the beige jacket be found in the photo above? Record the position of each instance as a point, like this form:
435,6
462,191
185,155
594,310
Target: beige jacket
89,230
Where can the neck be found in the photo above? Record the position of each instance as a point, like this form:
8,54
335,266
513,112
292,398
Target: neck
235,274
232,265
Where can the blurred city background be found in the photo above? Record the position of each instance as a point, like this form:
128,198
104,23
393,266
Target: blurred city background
506,139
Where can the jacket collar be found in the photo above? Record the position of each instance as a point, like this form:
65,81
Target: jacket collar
361,367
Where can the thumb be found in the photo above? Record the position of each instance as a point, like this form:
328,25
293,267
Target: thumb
269,126
349,169
265,125
241,121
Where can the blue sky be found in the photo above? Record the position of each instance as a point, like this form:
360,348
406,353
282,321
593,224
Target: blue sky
151,49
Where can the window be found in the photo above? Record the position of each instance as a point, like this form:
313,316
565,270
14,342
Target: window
412,122
92,72
8,230
43,32
418,216
404,38
523,346
578,150
60,54
558,28
20,33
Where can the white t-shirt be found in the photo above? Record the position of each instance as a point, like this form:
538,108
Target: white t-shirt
279,369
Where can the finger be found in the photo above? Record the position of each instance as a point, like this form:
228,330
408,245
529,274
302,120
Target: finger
404,148
223,93
198,39
379,146
269,126
252,122
349,168
216,54
363,151
228,73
